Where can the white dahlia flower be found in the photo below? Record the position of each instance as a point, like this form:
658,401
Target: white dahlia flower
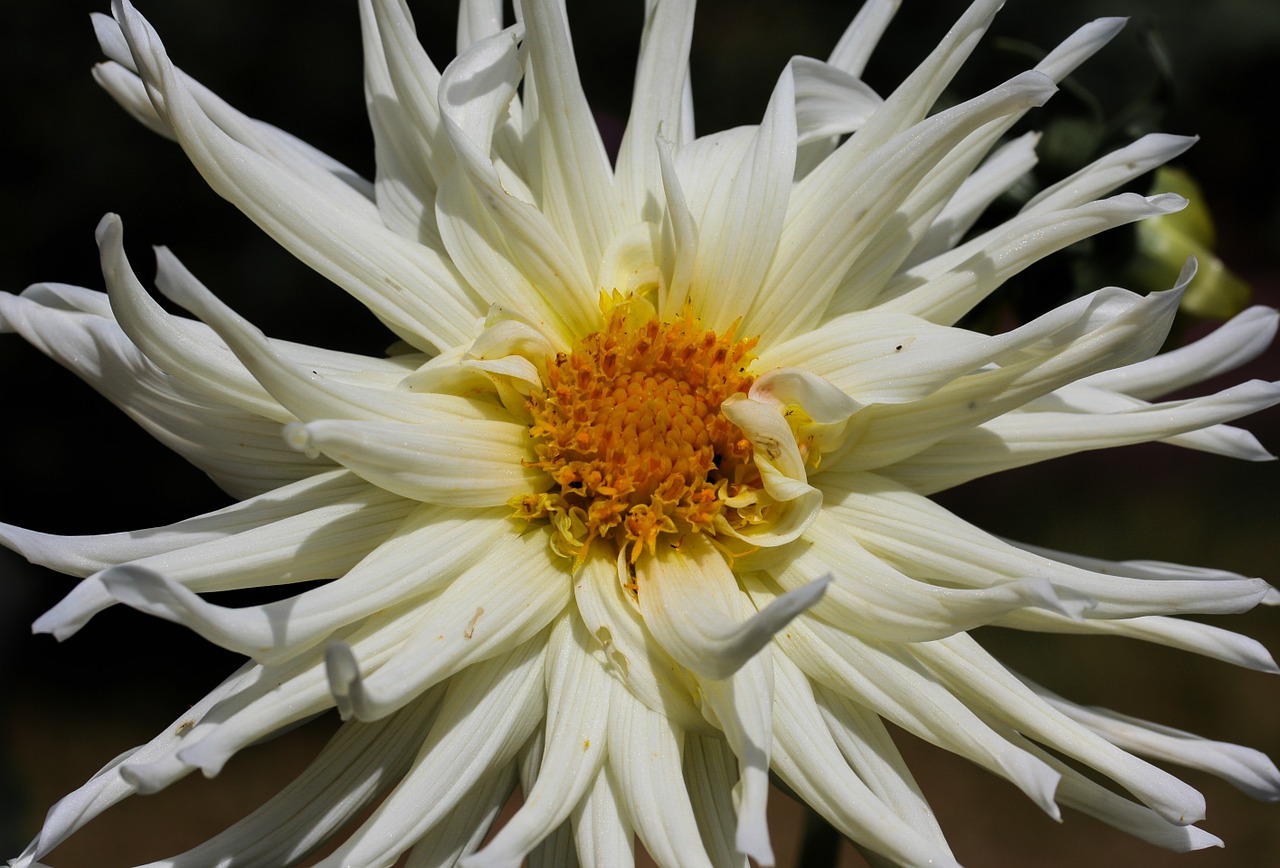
636,516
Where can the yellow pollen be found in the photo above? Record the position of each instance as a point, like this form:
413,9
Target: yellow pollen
628,426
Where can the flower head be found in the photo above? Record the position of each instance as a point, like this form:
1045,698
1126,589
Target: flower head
636,515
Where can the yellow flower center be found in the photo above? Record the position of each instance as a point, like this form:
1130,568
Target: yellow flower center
628,426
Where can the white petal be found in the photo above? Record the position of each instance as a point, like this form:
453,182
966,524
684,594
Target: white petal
946,287
290,154
644,759
301,389
107,786
1104,329
1091,798
578,692
458,462
872,599
692,604
359,763
887,682
869,749
400,93
487,610
183,349
240,450
829,101
823,235
1244,768
433,546
625,646
85,555
807,759
995,176
604,836
1019,439
711,773
477,19
742,706
1243,338
740,222
1110,172
978,678
680,236
464,828
577,181
509,250
921,538
411,289
662,75
1180,633
488,712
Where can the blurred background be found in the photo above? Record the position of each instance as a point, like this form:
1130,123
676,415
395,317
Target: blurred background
74,465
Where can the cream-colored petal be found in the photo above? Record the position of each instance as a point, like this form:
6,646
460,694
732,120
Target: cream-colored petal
1180,633
662,76
740,221
824,235
1108,328
1019,439
415,291
306,394
358,764
626,647
578,694
710,774
488,712
464,828
872,599
976,676
432,546
400,84
885,680
576,178
88,554
1094,800
946,287
477,20
692,605
829,102
240,450
1110,172
921,538
1243,338
508,249
871,753
645,762
454,461
995,176
485,611
604,836
108,787
808,761
742,706
680,237
289,153
1246,769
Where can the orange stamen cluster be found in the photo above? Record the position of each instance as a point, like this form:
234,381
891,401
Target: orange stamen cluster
629,427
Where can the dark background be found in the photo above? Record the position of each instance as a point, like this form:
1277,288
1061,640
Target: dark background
75,465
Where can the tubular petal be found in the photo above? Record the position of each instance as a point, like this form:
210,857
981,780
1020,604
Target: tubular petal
692,604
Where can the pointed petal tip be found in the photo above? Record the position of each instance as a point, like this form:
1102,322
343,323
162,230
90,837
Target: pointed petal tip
343,673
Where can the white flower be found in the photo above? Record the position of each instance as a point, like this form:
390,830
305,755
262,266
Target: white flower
716,381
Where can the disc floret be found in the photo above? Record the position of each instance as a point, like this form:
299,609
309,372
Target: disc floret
628,426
